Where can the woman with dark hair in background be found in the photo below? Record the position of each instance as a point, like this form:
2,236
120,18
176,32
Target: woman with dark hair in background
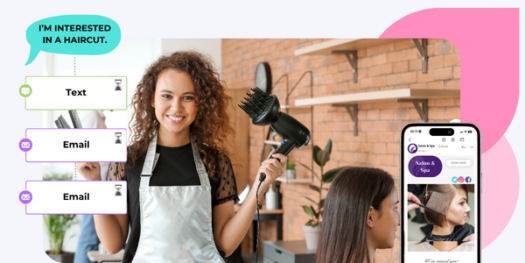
360,216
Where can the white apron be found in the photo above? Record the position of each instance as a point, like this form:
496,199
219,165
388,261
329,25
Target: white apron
175,221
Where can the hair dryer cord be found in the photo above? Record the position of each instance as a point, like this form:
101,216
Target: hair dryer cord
261,179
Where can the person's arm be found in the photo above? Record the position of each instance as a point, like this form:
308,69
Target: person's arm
229,228
413,198
112,230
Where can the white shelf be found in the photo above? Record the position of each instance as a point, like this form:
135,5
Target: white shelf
283,179
326,48
379,96
295,107
272,142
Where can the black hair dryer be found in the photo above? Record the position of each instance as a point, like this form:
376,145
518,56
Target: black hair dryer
294,133
264,109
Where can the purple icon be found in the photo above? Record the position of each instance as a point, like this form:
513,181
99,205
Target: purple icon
425,166
25,145
412,148
25,197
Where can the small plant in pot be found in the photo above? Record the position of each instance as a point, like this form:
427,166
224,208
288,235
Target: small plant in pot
315,210
290,170
57,225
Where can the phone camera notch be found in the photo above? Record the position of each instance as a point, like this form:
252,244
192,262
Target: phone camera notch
441,132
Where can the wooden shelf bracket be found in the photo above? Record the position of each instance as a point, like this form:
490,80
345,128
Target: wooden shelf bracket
351,59
421,110
352,111
423,51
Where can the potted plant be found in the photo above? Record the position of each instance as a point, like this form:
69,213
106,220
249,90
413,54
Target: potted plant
312,228
57,225
290,170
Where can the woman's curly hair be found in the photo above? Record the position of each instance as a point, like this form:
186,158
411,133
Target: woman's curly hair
212,124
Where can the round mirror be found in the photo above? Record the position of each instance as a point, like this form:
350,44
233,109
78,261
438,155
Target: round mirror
263,77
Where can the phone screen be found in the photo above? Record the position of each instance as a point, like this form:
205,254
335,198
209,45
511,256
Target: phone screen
441,169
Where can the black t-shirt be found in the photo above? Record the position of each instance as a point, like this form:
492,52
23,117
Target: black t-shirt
175,167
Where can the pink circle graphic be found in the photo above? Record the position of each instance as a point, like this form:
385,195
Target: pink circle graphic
500,187
488,41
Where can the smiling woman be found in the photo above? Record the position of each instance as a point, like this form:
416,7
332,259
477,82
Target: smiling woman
174,104
181,186
160,93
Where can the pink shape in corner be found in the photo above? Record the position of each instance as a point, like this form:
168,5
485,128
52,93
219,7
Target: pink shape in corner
500,190
488,42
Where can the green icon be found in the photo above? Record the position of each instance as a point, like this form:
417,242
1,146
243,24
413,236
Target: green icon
25,90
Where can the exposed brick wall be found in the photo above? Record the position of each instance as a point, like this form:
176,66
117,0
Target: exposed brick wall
391,66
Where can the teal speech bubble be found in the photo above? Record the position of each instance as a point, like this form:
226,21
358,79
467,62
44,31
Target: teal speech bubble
73,35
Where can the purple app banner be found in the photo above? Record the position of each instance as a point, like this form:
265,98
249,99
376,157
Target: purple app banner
425,166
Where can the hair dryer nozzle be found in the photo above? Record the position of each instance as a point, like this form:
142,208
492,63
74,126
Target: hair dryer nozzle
263,109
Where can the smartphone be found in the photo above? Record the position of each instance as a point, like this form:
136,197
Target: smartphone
441,173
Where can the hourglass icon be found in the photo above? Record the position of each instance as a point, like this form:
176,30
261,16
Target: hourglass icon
118,187
118,135
118,81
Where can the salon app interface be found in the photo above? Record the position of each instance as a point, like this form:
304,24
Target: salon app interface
441,171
